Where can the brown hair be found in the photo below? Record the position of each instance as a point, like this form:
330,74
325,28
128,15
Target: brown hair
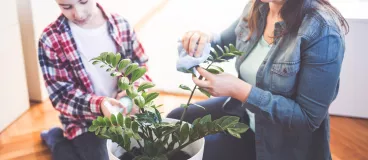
292,12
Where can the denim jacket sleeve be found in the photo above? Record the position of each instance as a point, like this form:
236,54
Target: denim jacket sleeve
317,86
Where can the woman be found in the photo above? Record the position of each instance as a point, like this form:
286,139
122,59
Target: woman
76,87
288,77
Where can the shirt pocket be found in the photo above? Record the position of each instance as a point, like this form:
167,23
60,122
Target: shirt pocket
284,77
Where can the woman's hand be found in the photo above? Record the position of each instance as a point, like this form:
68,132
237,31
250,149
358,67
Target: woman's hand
223,84
192,38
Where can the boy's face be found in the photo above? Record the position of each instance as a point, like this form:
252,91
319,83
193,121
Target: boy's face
78,11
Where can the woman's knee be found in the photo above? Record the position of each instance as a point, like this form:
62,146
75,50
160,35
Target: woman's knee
176,113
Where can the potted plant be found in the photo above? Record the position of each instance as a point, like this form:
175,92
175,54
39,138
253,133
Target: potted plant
148,136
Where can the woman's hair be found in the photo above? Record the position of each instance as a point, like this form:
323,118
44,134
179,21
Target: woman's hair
293,12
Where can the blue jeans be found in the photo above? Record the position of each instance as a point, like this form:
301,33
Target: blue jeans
220,146
84,147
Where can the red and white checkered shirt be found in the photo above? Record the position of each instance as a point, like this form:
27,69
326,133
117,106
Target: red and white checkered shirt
70,90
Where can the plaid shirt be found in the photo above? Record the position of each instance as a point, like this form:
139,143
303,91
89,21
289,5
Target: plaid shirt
70,89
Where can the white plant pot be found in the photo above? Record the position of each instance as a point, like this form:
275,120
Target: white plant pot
195,149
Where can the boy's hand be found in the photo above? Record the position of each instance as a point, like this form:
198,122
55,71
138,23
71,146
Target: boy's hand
113,102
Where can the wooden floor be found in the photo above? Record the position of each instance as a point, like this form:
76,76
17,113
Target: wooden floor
21,140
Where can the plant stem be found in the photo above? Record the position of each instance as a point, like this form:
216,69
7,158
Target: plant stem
171,153
139,143
191,95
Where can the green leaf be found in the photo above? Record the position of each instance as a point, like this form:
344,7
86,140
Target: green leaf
206,119
229,121
146,117
227,49
126,141
136,136
238,53
101,121
220,120
218,68
196,121
138,73
214,52
213,71
112,58
109,57
184,132
95,62
170,131
205,92
107,121
158,115
142,158
98,131
116,59
94,122
193,134
93,128
210,127
220,49
128,122
232,48
112,130
239,128
218,128
198,106
135,127
222,60
104,56
115,74
149,148
119,130
166,139
139,101
123,83
145,85
103,130
199,129
123,63
132,92
151,96
161,157
120,119
96,59
234,133
182,86
113,120
131,68
109,69
228,55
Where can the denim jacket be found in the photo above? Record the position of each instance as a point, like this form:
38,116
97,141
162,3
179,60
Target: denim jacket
295,85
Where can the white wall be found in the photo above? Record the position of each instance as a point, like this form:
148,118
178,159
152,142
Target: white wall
352,100
36,89
13,87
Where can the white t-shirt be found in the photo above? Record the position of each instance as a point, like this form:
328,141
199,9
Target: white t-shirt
91,43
